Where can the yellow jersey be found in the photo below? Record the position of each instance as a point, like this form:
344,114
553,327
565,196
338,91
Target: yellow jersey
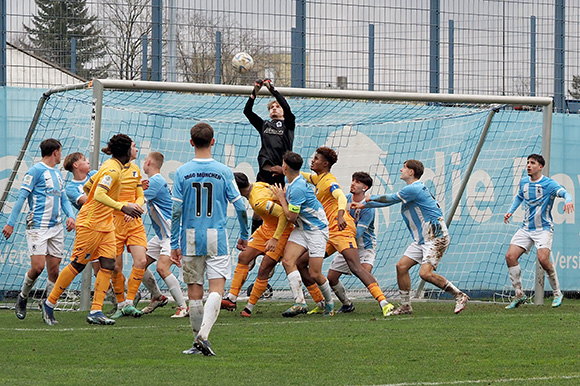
94,214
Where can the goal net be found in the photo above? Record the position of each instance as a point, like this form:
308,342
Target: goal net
371,131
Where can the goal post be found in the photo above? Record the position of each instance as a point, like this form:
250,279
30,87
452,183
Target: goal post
471,169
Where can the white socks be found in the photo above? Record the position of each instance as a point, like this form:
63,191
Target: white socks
151,284
340,293
211,310
516,279
27,286
175,290
296,286
405,297
195,315
326,292
451,289
553,279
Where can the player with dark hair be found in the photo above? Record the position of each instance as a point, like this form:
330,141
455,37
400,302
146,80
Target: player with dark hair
95,237
342,228
537,192
425,221
365,239
268,240
201,191
129,232
309,235
43,188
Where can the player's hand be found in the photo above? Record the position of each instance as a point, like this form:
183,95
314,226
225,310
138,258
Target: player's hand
128,218
341,220
242,244
7,231
70,224
279,191
176,257
268,84
569,207
276,170
357,205
506,217
271,245
257,86
145,184
132,210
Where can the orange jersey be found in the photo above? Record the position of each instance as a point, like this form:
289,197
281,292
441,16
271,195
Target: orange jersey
324,185
266,205
94,214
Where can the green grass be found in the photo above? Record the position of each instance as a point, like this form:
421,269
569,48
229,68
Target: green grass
485,344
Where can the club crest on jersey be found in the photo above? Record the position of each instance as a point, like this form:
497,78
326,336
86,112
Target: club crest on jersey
27,179
538,190
134,174
107,181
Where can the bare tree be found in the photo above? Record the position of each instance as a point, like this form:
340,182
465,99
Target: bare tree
127,21
196,50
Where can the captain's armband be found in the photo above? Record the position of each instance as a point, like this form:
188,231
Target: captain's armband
293,208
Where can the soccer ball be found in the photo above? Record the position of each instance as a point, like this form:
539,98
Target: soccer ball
242,62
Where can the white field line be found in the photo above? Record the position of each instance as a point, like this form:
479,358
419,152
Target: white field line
487,381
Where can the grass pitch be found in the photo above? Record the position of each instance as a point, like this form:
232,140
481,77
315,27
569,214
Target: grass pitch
485,344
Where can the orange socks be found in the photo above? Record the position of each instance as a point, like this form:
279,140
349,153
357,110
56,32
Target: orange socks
118,280
101,287
65,277
134,282
375,290
240,275
257,291
315,293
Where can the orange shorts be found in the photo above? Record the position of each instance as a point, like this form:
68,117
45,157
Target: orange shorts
265,233
129,233
90,245
339,240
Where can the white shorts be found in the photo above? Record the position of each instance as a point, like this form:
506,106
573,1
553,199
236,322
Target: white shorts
215,267
527,239
367,256
314,241
430,252
157,247
46,241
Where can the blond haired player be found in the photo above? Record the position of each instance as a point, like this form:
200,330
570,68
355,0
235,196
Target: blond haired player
342,228
268,240
160,208
95,238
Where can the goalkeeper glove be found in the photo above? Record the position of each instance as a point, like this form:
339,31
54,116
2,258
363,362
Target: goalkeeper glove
257,86
268,84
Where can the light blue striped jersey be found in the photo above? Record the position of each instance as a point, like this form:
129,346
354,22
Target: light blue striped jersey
301,198
203,187
365,225
538,197
420,211
74,189
159,205
43,188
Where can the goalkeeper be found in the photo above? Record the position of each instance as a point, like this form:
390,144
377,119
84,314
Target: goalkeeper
276,134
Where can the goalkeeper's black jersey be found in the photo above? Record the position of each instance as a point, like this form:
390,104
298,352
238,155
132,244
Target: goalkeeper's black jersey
276,136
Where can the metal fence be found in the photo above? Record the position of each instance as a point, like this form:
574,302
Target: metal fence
506,47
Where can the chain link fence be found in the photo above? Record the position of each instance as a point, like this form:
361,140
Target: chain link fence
505,47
